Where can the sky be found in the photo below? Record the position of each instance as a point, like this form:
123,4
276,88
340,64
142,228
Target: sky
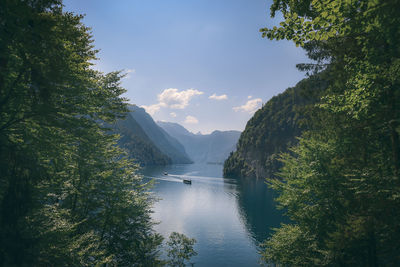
200,63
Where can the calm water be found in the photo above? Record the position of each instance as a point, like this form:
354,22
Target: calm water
227,217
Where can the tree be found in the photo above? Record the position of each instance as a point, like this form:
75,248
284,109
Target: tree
340,184
357,40
68,196
180,249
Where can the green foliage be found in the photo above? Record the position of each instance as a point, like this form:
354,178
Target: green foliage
340,184
287,245
341,193
69,196
180,249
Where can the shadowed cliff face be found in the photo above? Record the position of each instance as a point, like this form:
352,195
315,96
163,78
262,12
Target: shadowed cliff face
137,144
272,130
161,139
210,148
146,142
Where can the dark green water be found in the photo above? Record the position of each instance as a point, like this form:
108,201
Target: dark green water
228,217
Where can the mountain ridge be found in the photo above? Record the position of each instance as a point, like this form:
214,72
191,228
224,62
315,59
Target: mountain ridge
166,144
137,144
273,129
146,142
205,148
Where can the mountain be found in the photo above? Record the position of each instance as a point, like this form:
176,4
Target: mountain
272,130
209,148
138,145
161,139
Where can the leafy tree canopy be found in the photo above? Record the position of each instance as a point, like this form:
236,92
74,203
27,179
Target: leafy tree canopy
340,184
68,196
180,249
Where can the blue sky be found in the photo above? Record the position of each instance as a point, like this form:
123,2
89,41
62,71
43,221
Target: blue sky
200,63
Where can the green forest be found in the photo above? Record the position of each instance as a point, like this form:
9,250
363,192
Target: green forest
71,195
274,129
330,145
68,196
340,185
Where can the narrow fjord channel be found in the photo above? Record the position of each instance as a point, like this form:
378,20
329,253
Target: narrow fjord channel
228,217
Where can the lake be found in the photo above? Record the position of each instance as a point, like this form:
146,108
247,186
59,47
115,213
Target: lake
228,217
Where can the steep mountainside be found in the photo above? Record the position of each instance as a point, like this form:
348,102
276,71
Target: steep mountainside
209,148
164,142
272,130
138,145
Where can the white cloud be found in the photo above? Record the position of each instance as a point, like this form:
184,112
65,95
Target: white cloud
152,109
128,73
251,106
174,99
250,96
173,114
191,120
218,97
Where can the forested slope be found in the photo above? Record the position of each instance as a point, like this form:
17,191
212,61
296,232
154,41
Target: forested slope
137,144
272,130
164,142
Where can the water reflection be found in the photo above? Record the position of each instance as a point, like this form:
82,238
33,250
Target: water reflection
257,208
228,217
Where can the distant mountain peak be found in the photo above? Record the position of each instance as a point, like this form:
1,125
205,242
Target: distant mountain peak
165,143
173,126
204,148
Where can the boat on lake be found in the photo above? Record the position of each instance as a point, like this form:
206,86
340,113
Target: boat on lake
165,173
187,181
